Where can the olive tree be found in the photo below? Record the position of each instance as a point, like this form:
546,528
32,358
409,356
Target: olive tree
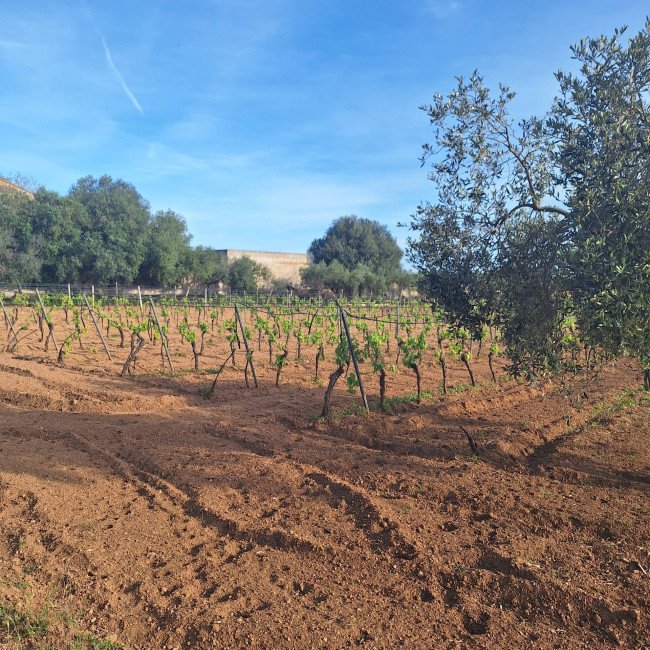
494,179
602,120
549,215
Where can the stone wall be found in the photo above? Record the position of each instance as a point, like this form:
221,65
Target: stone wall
283,266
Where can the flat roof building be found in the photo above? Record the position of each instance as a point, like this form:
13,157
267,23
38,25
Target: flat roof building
283,266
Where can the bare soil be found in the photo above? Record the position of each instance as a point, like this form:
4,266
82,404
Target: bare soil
139,511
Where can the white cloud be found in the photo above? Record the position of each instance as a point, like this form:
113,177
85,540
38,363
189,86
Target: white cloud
129,94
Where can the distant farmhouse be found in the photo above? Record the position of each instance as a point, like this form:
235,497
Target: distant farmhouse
7,187
284,266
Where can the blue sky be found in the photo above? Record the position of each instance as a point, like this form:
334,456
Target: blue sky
262,121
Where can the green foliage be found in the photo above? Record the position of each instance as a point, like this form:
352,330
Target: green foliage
29,627
207,266
410,398
353,241
114,244
244,274
356,257
17,624
187,332
280,358
376,344
547,217
103,232
167,251
413,348
359,281
20,249
73,336
602,118
342,351
230,326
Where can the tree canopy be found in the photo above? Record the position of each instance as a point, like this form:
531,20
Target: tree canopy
245,274
353,241
548,217
356,256
167,250
119,217
103,232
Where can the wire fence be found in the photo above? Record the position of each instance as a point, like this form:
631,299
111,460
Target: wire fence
195,293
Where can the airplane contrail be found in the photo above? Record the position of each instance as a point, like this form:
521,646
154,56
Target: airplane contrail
129,94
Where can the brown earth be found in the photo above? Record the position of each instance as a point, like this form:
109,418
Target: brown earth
138,511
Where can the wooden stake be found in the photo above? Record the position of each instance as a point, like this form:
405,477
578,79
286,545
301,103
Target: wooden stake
397,321
4,311
49,325
162,336
249,355
90,311
354,358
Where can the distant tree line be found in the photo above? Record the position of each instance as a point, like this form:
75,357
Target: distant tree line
103,232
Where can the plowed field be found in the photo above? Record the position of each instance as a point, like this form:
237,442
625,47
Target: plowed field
136,511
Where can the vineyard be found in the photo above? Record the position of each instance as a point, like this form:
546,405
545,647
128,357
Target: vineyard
284,472
322,340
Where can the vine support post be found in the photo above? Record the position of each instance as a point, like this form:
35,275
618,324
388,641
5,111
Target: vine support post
249,354
69,293
49,325
92,290
397,320
140,298
11,325
354,358
90,311
162,336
